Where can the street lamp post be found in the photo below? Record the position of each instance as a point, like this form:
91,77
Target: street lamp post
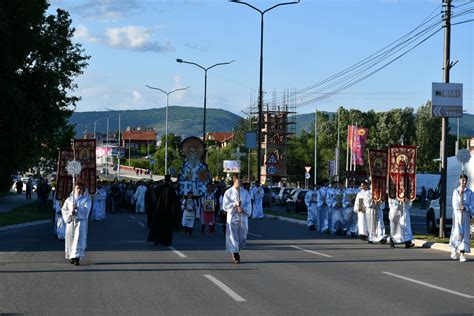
260,89
119,139
179,60
166,119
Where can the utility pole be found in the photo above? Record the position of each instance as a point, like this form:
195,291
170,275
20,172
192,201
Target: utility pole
337,146
315,146
445,120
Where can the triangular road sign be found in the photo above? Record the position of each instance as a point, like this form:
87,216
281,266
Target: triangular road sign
272,159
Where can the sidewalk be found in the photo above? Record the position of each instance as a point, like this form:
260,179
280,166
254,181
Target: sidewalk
7,203
418,242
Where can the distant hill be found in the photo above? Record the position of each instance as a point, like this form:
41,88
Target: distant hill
187,121
183,121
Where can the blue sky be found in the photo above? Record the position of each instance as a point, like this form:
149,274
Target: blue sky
134,43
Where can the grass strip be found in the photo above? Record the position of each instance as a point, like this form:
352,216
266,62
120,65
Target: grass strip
26,213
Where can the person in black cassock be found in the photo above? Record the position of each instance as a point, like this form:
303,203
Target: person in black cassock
165,216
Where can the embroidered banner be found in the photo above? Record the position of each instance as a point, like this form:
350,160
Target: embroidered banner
378,174
402,172
85,154
63,179
357,138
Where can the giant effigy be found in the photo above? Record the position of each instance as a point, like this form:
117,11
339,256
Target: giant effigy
194,174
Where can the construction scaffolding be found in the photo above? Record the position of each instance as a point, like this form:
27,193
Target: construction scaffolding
278,128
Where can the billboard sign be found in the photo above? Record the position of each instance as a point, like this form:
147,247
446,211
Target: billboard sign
446,99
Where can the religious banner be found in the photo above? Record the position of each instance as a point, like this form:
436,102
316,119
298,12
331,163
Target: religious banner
194,175
85,154
378,174
357,138
63,179
402,172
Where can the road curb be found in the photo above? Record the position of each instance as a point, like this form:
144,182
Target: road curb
433,245
22,225
418,242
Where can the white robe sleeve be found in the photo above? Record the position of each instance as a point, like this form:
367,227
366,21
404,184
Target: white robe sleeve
66,210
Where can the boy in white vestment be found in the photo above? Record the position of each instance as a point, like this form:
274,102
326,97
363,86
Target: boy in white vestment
190,207
460,239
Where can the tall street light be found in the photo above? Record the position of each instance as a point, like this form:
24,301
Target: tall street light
260,88
179,60
166,124
119,140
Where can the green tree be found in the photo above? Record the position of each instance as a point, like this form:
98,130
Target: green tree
38,63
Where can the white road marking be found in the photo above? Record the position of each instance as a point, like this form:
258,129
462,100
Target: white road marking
133,217
225,288
255,235
312,251
141,224
428,285
179,253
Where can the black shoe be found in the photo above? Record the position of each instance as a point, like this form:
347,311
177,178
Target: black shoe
363,237
312,227
371,242
77,262
409,244
71,261
392,243
383,241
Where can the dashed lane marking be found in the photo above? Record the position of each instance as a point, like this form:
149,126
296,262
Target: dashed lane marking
312,251
428,285
225,288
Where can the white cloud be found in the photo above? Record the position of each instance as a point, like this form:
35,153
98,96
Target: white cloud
82,33
135,38
136,96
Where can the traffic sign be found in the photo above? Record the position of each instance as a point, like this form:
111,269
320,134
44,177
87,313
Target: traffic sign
307,168
272,159
307,175
271,170
446,99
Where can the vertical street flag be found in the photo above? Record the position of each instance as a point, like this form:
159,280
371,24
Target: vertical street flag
357,138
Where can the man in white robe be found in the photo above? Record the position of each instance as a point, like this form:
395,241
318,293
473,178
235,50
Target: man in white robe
256,195
370,216
139,198
460,239
98,207
313,202
337,221
324,192
237,205
75,213
350,218
400,225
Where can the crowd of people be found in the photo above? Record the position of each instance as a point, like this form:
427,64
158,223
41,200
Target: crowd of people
344,211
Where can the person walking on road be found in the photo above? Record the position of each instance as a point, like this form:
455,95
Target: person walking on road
75,212
237,205
165,214
139,198
29,189
256,195
400,225
460,239
19,186
313,202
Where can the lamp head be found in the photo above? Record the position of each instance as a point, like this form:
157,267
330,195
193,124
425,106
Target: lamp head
179,60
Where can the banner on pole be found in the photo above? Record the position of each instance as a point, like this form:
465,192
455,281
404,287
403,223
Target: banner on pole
378,174
402,172
357,139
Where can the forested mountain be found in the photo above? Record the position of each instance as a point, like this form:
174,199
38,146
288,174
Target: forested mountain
187,121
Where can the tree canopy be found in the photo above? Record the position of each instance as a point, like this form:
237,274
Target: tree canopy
38,64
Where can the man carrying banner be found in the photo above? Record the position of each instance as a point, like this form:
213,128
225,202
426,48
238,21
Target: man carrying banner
402,191
370,216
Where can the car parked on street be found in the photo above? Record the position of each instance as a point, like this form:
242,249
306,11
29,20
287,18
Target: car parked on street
282,195
295,203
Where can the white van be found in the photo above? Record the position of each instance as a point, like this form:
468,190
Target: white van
454,171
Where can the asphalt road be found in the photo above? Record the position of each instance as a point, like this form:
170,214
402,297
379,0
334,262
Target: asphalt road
285,270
